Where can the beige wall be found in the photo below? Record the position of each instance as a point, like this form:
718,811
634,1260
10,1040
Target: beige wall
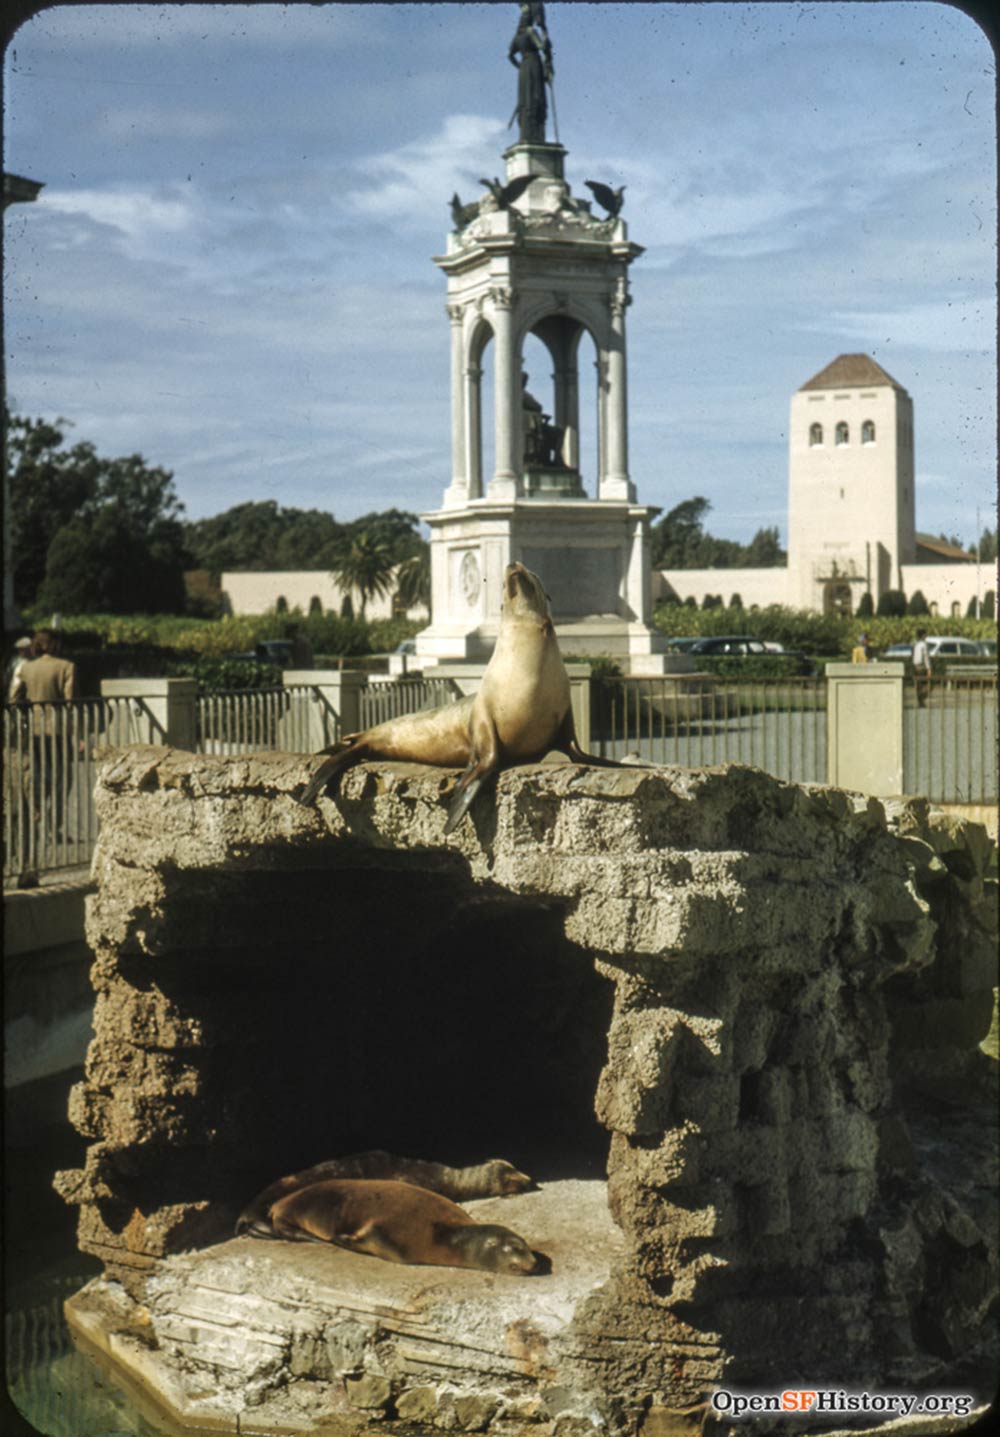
947,584
754,586
248,592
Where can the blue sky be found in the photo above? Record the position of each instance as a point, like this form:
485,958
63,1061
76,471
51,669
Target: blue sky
229,269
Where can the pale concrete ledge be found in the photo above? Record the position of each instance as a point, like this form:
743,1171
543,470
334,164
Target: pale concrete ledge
755,1007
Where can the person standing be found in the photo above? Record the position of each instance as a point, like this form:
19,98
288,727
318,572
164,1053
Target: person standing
45,683
861,653
22,652
921,658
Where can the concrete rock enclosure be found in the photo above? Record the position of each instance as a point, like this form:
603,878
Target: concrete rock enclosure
728,994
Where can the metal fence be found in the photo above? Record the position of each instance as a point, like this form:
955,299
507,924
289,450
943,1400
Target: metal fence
382,701
49,820
694,721
950,737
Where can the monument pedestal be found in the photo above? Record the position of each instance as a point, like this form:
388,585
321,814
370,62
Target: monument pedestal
590,554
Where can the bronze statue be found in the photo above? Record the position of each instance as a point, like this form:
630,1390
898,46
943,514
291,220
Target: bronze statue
542,439
532,44
606,197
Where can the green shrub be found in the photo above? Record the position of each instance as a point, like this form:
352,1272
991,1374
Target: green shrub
891,604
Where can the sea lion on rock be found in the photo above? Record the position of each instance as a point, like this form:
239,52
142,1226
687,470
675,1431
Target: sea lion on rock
495,1178
398,1222
521,712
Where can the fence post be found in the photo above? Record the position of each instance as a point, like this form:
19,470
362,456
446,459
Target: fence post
331,692
579,698
162,711
864,730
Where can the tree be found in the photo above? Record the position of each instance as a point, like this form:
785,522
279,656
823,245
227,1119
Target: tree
891,604
989,605
866,606
413,580
261,535
735,601
367,567
918,604
764,550
987,547
674,538
121,515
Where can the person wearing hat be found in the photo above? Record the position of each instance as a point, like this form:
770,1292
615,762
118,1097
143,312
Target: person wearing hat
861,652
22,651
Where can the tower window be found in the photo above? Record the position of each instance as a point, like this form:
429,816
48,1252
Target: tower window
842,434
815,435
868,432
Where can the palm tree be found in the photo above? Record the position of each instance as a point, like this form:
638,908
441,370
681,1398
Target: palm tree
413,581
367,567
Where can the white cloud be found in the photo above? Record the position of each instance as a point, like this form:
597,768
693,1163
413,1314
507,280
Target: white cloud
137,214
960,324
427,170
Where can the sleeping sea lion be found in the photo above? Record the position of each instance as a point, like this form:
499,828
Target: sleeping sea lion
398,1222
521,712
495,1178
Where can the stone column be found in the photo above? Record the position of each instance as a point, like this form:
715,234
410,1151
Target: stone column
473,379
567,412
458,491
615,483
505,483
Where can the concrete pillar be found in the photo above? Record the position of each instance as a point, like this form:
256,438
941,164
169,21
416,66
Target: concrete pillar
328,707
615,483
567,413
505,484
159,711
458,492
864,733
473,379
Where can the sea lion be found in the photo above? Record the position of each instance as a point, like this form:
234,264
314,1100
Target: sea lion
521,711
495,1178
398,1222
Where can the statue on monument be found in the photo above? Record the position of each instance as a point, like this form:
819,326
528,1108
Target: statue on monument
542,439
534,68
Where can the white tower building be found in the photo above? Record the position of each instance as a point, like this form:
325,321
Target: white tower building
851,513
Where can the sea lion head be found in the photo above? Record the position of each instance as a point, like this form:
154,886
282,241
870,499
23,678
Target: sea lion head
505,1180
497,1249
523,595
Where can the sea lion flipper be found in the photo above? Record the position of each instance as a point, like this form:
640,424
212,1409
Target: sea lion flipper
465,791
566,742
345,754
484,762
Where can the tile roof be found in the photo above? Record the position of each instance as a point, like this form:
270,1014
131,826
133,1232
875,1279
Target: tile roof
852,371
942,549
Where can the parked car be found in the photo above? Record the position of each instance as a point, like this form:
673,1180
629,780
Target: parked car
682,644
743,646
946,646
270,651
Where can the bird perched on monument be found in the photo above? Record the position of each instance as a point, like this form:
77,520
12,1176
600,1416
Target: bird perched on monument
606,197
462,214
505,195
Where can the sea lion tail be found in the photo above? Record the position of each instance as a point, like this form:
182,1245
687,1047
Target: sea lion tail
346,753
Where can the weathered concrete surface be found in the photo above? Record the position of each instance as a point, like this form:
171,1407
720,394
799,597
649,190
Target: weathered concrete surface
789,969
426,1341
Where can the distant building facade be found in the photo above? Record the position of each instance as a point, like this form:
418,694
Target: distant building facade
851,508
313,591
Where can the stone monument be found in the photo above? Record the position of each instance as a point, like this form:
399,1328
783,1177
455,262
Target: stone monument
531,259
